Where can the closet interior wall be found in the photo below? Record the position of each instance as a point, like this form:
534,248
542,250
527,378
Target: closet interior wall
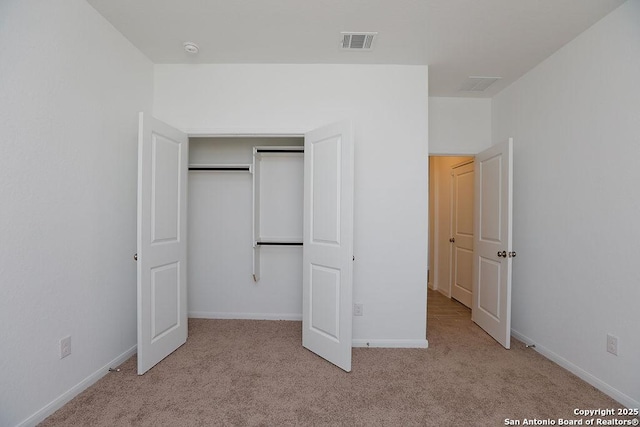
220,238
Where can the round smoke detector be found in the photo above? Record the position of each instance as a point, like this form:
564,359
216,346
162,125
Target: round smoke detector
191,47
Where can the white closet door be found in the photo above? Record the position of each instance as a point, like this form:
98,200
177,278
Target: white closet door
493,250
328,243
162,241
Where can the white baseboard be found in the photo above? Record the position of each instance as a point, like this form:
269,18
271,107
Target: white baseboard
65,397
244,316
443,292
625,400
382,343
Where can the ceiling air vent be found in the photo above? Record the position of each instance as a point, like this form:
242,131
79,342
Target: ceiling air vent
478,84
358,41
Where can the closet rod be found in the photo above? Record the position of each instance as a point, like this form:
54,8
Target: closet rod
220,168
279,243
268,150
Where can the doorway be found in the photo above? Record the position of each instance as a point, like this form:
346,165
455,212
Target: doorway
451,226
490,231
221,241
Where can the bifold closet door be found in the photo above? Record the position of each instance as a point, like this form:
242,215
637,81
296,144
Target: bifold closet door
328,243
162,241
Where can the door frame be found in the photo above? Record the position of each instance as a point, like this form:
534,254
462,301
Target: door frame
434,271
509,225
245,133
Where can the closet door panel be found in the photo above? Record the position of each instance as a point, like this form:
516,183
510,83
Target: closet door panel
162,241
328,244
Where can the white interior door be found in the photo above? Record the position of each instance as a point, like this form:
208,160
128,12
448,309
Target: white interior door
328,243
162,241
493,247
462,233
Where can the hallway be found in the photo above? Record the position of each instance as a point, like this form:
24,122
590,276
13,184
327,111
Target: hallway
439,307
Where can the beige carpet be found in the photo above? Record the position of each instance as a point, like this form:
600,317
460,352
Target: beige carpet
241,372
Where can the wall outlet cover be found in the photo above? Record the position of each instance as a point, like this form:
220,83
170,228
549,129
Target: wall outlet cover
612,344
358,310
65,347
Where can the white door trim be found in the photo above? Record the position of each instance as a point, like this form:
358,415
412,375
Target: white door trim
245,133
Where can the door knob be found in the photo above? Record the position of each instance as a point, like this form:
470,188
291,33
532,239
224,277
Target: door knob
452,240
135,257
512,254
502,254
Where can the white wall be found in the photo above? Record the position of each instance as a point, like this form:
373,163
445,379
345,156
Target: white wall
70,90
459,125
389,109
576,122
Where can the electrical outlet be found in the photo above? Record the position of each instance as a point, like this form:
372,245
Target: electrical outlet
612,344
65,347
358,309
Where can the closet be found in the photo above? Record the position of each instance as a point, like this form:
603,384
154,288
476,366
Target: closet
221,222
245,214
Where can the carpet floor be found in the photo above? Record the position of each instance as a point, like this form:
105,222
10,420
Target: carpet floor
247,372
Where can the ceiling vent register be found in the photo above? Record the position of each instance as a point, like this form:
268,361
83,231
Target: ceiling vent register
478,84
358,41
